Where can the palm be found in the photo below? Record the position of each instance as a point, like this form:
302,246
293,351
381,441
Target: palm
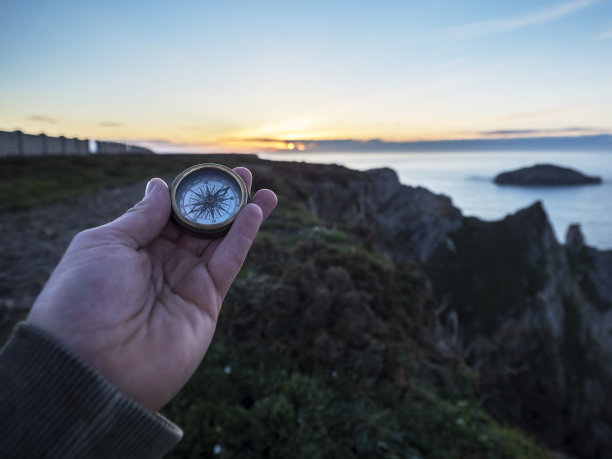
143,315
158,326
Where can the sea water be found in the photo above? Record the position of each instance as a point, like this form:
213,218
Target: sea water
467,178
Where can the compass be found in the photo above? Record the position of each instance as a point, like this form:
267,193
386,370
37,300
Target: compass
206,199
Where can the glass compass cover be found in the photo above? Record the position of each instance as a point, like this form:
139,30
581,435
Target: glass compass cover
208,197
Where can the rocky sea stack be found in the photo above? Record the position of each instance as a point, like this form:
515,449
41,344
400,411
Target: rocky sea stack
545,175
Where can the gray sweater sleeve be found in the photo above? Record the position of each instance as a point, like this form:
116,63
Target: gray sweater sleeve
54,405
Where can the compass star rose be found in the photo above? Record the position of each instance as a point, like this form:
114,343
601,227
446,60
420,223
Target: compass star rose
210,202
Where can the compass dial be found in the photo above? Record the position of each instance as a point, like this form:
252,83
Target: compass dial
206,199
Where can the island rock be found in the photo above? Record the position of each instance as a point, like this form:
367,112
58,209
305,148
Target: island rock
545,175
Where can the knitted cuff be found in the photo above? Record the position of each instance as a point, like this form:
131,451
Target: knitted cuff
53,405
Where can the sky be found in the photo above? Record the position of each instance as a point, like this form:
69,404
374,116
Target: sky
263,75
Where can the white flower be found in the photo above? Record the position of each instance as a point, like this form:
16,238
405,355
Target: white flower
227,369
217,449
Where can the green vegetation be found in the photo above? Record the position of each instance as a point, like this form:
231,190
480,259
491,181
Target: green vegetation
27,182
325,352
256,404
324,348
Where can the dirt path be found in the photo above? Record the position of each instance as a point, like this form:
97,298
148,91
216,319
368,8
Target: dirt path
33,241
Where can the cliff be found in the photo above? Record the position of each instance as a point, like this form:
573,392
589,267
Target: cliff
534,319
531,316
370,319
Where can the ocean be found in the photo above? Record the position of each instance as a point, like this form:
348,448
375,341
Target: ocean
467,178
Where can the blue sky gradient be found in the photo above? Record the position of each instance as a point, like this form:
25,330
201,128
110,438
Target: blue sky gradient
219,75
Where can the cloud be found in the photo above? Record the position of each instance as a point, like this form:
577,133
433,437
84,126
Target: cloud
530,114
159,141
527,20
542,132
511,132
171,146
110,124
43,119
605,35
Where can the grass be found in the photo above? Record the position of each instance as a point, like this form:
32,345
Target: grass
27,182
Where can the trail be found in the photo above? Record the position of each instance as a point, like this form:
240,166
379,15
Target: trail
33,241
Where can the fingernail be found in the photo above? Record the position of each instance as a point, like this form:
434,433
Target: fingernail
149,188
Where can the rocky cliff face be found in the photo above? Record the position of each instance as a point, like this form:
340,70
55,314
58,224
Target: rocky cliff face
412,222
532,316
535,321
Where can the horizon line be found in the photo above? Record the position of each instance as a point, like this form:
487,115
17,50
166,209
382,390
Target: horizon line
503,140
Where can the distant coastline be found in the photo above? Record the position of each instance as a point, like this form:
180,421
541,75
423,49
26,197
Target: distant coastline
600,142
467,177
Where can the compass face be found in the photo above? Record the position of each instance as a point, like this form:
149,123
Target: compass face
206,199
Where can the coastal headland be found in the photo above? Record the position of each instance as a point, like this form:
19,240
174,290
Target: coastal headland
371,317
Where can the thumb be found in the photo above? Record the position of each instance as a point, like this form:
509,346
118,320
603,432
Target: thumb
146,220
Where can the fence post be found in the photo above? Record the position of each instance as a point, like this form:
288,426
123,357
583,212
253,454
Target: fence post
45,148
19,135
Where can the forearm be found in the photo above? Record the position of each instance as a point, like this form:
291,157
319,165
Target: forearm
53,405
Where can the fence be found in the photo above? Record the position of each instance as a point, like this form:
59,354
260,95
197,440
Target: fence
19,144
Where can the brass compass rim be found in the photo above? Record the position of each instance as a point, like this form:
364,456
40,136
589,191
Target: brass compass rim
200,229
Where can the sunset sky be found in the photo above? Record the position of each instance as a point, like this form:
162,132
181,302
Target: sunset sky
252,76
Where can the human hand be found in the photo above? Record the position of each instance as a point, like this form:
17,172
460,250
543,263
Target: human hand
138,299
